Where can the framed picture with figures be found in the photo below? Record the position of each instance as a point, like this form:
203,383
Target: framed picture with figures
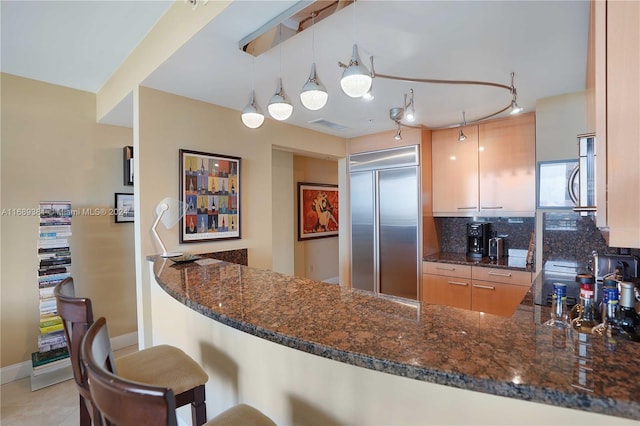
317,210
210,187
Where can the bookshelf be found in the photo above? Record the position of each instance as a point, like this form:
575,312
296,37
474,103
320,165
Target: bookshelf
51,363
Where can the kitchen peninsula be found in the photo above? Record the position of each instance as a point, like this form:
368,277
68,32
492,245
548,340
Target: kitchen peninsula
244,322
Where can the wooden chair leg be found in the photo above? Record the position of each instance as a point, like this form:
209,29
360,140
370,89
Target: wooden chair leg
199,407
85,418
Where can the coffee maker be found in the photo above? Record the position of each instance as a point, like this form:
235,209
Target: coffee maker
478,235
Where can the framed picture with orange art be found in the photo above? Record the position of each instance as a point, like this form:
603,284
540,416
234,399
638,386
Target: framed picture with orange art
317,210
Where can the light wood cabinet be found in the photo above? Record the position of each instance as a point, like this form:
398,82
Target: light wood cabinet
491,290
616,46
491,173
447,284
507,158
454,167
498,291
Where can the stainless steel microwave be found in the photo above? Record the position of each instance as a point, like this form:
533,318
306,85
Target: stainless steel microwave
582,181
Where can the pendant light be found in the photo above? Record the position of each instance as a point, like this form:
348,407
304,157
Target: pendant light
279,107
356,79
252,116
313,96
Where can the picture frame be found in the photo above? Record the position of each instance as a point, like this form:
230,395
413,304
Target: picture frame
318,210
210,187
557,184
123,210
127,165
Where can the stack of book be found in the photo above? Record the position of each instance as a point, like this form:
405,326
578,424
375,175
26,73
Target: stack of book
54,258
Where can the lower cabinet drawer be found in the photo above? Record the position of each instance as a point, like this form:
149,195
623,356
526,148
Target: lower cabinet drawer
496,298
450,291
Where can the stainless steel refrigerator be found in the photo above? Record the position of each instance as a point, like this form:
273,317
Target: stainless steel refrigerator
385,217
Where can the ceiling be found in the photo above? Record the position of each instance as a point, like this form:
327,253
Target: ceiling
80,44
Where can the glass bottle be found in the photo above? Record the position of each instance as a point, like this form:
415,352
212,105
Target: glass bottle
587,318
559,312
609,281
628,318
609,326
577,308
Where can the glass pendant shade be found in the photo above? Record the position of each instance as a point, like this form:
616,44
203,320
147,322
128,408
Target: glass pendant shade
252,117
279,108
313,95
356,79
461,135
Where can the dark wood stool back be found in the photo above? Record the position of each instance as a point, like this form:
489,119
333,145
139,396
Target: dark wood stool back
122,402
77,317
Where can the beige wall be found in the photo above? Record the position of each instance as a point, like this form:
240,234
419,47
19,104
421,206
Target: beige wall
52,149
559,119
316,259
168,123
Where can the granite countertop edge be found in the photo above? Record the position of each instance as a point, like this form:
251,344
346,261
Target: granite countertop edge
560,398
507,262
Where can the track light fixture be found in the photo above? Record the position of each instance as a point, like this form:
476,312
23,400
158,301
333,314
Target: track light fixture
398,135
461,135
515,108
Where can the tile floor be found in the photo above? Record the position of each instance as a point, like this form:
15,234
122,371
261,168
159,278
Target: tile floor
51,406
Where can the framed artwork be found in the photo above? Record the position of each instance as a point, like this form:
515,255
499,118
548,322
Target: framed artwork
317,210
127,165
210,187
123,208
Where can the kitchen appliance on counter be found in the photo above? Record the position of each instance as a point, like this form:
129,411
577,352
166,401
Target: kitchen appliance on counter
478,235
624,265
496,248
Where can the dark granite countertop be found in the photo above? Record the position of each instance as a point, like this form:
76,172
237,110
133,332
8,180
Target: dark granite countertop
508,262
517,357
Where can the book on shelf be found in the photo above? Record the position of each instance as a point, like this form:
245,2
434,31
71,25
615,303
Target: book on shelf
42,358
50,319
51,328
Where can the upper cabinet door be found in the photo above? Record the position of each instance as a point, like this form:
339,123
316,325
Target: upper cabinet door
507,152
622,176
455,172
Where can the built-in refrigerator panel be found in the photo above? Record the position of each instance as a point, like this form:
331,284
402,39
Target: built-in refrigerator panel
385,202
362,230
398,231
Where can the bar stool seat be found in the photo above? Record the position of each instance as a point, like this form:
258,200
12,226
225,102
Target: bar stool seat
123,402
162,365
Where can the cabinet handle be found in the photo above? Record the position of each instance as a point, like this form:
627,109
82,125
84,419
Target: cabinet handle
499,274
445,268
457,283
488,287
467,208
491,208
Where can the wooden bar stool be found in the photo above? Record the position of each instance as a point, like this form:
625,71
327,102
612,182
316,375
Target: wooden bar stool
162,365
124,402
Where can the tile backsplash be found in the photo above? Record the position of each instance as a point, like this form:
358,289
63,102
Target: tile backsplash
566,235
569,236
452,231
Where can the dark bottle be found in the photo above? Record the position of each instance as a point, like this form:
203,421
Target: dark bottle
609,281
587,315
609,326
628,318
